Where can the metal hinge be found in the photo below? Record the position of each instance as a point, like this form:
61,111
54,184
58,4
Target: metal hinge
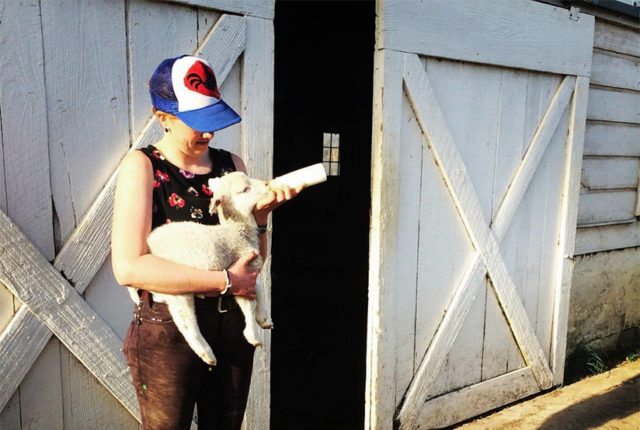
574,13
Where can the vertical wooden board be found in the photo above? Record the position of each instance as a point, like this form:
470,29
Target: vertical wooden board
380,391
510,146
87,404
87,100
10,415
500,352
469,96
609,138
540,90
206,20
41,403
178,27
608,104
464,361
410,152
552,168
24,124
229,138
110,300
256,109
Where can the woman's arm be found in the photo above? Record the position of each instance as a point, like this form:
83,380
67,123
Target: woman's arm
132,263
272,200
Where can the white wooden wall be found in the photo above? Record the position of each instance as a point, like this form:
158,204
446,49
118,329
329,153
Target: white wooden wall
609,203
73,99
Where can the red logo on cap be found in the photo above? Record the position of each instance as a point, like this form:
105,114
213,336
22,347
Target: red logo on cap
200,78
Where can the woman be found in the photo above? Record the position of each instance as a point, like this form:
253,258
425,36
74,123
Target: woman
168,182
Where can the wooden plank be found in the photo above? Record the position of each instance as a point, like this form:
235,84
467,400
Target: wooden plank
179,31
607,238
87,404
608,104
256,106
616,38
613,70
30,277
410,196
609,138
566,239
90,241
87,93
607,206
257,8
41,403
6,307
206,20
602,173
479,398
10,415
434,126
24,124
20,345
527,35
385,160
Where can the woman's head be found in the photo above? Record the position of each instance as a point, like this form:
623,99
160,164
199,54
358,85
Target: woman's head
186,88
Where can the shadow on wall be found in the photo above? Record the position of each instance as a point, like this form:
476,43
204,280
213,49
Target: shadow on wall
596,411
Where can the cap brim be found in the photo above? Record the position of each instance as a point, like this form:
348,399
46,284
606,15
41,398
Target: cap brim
210,118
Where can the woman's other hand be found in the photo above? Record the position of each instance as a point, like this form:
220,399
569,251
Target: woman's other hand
243,277
274,198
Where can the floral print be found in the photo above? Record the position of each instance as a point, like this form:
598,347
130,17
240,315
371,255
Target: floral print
161,176
196,213
193,191
187,175
206,190
180,195
176,201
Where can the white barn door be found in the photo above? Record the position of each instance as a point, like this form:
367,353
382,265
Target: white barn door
479,111
53,293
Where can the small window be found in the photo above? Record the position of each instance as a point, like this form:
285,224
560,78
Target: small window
331,153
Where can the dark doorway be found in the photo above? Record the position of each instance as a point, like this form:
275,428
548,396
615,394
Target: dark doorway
323,84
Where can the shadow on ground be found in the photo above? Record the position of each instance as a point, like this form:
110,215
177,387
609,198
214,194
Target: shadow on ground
596,411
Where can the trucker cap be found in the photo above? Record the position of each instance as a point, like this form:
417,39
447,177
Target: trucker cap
186,87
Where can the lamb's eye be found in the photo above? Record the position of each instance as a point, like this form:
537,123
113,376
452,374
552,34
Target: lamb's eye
245,189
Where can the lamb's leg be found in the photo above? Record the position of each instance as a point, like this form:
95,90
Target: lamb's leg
252,331
262,314
183,312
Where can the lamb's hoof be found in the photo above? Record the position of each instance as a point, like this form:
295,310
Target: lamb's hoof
267,325
210,360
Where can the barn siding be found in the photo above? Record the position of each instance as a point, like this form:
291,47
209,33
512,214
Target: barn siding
605,291
608,205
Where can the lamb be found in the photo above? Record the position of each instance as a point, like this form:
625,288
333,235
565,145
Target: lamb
215,247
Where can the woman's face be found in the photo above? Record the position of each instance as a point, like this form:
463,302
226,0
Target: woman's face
188,140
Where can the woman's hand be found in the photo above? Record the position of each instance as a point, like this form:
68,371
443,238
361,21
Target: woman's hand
243,277
274,198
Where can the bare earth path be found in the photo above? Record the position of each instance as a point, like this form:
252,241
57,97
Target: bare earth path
609,401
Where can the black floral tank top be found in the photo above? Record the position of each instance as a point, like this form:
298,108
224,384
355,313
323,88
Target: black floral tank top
179,195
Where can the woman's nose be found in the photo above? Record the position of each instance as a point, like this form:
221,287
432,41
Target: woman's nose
208,135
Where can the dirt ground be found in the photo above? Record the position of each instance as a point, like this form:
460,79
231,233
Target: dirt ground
609,401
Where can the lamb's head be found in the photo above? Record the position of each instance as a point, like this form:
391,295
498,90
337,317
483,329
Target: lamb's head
235,195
